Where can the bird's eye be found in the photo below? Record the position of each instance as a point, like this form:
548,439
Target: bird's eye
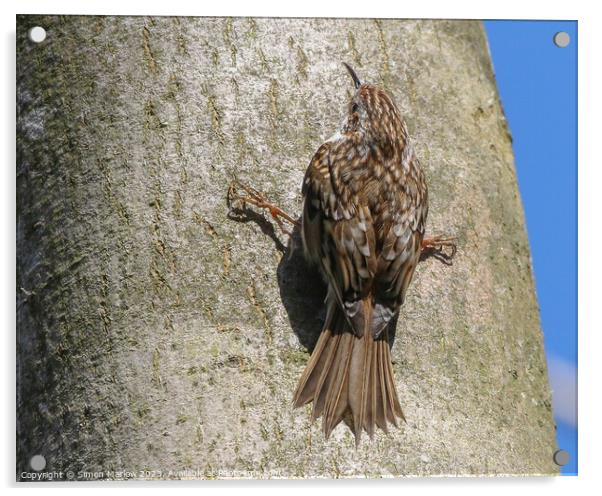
354,108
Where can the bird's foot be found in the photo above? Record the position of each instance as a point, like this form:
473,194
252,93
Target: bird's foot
243,194
438,247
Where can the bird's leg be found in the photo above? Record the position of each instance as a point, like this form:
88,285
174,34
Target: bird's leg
250,195
438,243
435,246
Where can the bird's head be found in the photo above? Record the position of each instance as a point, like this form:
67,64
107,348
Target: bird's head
373,115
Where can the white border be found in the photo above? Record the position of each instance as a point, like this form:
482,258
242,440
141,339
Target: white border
590,194
461,9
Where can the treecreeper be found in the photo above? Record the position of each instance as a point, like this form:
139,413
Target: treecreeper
365,205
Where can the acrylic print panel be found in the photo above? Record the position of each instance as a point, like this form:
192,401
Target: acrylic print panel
165,316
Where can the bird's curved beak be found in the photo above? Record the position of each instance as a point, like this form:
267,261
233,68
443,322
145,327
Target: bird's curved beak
356,80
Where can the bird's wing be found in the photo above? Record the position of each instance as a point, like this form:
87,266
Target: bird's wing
400,251
338,234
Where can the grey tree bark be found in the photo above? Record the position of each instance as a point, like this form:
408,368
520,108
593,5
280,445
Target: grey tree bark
157,334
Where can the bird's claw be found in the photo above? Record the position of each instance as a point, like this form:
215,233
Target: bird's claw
436,246
251,196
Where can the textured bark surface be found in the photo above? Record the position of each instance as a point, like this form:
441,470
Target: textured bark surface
155,333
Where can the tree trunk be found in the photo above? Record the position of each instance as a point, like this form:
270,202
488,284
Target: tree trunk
156,333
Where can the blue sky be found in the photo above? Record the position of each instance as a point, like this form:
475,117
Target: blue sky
537,82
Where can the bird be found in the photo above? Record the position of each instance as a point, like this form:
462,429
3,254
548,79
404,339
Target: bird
365,206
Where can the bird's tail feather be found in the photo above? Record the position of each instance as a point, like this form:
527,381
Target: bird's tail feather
349,378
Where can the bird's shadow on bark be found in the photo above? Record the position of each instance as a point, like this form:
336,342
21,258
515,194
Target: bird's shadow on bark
302,291
437,254
244,215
